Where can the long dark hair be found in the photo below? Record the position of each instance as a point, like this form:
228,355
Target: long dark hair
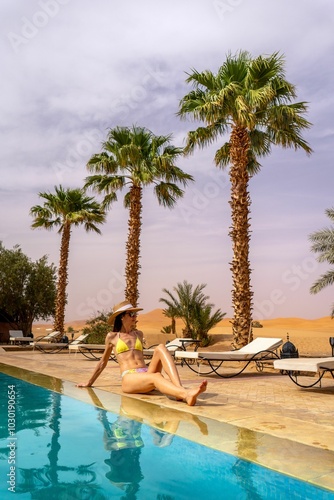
118,322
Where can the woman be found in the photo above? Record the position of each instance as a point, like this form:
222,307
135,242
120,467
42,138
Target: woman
138,378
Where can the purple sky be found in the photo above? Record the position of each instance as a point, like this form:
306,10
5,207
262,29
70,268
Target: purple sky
72,69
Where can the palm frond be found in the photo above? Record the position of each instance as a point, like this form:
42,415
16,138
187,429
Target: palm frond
326,279
167,193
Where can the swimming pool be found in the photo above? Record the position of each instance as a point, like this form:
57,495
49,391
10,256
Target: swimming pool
55,447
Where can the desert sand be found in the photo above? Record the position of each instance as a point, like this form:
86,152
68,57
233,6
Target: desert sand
310,336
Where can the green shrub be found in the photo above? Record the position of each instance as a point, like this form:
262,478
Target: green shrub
256,324
206,341
97,329
166,329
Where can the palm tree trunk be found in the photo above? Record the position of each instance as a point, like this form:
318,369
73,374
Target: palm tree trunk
53,454
62,279
173,325
240,266
133,246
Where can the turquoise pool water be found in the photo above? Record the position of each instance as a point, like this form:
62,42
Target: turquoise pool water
55,447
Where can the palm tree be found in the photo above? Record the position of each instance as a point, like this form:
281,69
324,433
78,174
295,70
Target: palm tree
323,245
251,100
172,326
191,306
204,320
137,158
64,209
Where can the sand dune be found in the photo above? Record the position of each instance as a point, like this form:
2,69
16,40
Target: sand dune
155,320
310,336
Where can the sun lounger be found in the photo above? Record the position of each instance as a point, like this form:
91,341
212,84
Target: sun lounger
94,351
54,347
50,337
259,351
50,343
297,367
51,347
16,337
173,345
75,344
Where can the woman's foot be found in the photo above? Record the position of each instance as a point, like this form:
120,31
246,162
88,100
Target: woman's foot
192,394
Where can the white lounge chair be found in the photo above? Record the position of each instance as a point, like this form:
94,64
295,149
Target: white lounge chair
295,367
260,350
75,344
54,347
50,337
173,345
16,337
94,351
50,343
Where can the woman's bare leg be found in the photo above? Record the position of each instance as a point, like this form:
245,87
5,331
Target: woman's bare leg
162,359
142,383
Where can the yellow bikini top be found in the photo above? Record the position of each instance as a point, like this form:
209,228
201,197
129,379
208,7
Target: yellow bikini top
121,346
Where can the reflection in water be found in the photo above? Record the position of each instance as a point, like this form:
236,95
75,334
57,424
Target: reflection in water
70,450
123,439
31,411
243,472
247,444
44,482
161,419
65,491
54,426
161,439
54,476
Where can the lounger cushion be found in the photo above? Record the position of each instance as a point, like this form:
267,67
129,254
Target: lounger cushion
258,345
304,364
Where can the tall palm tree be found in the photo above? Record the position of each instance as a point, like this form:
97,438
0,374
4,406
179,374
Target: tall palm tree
135,158
66,208
323,245
190,305
250,100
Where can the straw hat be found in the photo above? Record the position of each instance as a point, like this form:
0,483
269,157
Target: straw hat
120,308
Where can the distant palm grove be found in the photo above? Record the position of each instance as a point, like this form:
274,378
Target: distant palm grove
248,105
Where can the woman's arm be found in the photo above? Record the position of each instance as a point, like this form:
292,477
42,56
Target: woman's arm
101,364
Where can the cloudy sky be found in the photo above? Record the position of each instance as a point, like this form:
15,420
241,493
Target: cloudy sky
72,69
